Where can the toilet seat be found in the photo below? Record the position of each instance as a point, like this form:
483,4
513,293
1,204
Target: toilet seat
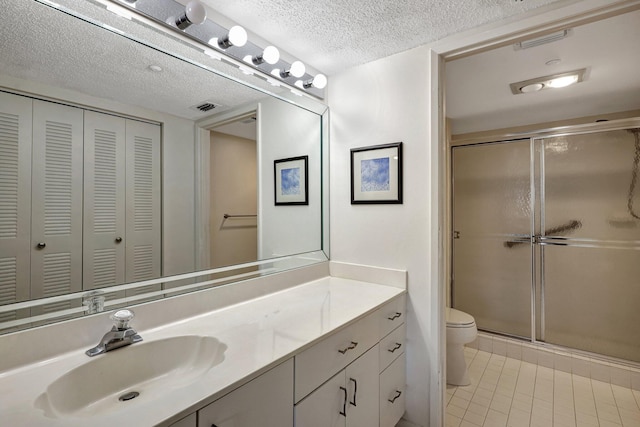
459,319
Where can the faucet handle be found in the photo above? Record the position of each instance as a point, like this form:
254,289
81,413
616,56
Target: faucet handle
122,318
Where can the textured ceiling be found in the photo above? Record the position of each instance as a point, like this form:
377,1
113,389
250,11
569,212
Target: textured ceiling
333,35
59,50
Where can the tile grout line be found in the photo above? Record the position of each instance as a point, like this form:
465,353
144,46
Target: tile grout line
573,395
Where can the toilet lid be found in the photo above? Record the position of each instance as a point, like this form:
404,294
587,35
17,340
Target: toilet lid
457,318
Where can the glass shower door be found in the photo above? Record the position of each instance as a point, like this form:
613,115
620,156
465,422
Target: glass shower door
492,222
590,269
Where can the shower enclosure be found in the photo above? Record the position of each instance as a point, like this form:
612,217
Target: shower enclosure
546,241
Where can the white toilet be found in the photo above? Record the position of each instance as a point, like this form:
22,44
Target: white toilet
461,329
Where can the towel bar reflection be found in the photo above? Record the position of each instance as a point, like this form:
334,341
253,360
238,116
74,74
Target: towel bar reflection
226,216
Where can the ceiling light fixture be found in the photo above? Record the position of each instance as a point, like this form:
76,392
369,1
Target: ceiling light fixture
270,55
194,13
319,81
297,69
230,45
120,11
553,81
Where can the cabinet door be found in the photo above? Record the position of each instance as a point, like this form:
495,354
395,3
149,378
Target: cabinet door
266,401
362,378
15,199
56,203
326,406
104,200
142,243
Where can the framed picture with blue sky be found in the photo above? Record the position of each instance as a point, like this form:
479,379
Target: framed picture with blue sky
291,181
376,174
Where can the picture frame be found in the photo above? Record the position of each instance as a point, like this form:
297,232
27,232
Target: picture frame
376,174
291,181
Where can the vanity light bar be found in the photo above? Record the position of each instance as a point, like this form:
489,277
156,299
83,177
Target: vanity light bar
221,42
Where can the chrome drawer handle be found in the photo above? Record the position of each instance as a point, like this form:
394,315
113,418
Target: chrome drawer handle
398,394
395,316
392,350
351,347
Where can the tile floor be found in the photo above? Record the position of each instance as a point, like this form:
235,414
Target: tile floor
509,392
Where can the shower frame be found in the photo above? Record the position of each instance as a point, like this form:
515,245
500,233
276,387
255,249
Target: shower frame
537,207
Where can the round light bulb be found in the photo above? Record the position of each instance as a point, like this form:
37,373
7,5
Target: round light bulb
237,36
320,81
562,81
534,87
297,69
271,55
196,13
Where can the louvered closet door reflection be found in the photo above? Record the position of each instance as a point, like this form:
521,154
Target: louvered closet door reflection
15,199
104,200
142,203
56,230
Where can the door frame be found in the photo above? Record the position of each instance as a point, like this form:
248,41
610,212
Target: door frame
541,21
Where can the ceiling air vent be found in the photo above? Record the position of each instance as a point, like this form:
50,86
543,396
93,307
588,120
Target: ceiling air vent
549,38
205,106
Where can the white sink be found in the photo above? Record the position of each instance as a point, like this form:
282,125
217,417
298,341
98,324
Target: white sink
149,368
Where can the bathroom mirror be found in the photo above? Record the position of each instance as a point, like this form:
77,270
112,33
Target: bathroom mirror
115,135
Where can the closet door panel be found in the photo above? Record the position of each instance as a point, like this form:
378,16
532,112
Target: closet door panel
142,202
56,229
15,199
104,200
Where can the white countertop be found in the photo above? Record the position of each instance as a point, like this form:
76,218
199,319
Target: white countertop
259,333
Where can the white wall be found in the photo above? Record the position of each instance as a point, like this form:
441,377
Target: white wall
378,103
285,131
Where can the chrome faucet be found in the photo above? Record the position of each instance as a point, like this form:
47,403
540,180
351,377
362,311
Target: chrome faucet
119,336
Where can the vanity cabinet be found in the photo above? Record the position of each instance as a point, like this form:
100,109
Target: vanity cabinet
265,401
368,389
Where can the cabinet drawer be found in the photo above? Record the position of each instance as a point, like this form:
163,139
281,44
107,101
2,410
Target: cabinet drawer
322,361
392,346
392,315
392,393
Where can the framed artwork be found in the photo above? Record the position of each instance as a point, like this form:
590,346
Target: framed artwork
291,181
376,174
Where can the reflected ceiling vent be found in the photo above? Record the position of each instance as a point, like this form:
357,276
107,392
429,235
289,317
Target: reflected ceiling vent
549,38
248,121
205,106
